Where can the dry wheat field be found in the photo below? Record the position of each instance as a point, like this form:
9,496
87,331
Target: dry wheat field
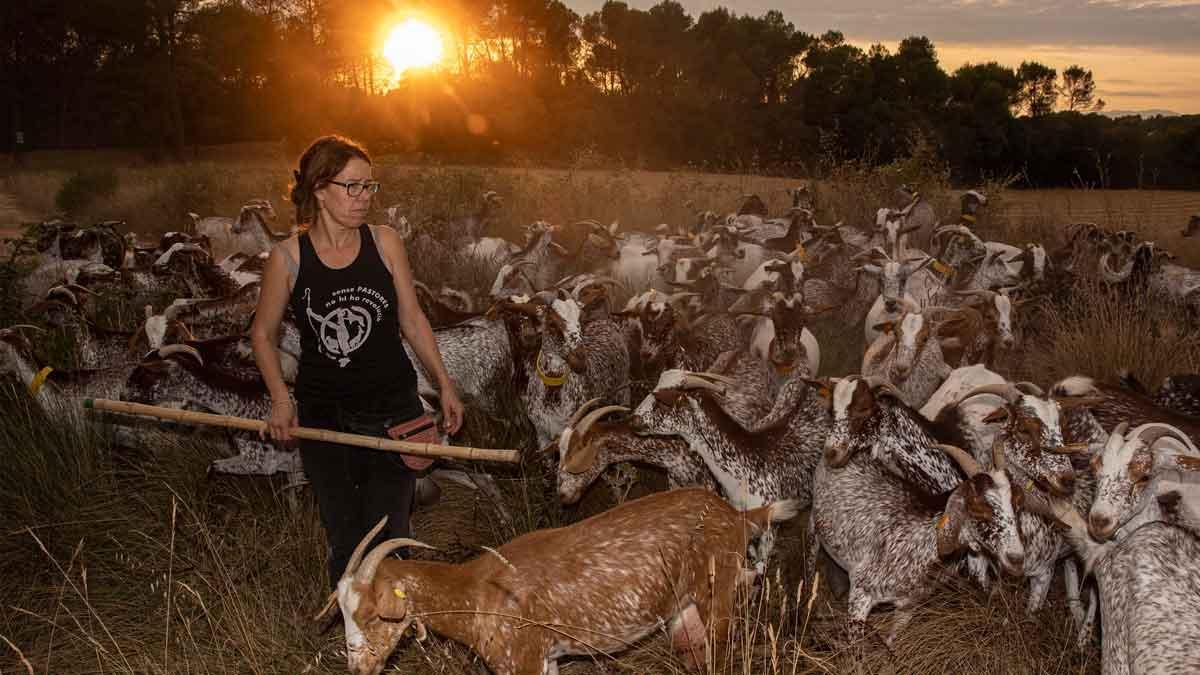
121,557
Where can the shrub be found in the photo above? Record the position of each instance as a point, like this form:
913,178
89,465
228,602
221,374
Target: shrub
84,187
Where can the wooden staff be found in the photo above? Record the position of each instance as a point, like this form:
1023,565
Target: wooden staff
246,424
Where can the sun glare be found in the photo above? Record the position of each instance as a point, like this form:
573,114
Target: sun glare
412,44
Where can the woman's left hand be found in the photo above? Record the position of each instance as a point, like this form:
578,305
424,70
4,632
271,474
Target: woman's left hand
452,410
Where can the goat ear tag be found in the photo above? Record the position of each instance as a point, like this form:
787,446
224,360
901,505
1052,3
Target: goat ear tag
943,521
941,268
399,593
801,254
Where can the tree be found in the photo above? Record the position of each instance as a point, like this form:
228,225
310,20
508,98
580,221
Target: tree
1079,90
1039,90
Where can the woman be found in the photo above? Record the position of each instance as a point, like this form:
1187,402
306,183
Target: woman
350,289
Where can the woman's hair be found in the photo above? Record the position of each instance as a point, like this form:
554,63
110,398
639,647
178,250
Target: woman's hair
323,160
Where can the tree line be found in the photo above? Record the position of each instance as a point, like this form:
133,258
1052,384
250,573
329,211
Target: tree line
534,81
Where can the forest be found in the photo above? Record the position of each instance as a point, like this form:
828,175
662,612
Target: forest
533,82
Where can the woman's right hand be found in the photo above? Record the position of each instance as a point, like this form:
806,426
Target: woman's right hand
281,420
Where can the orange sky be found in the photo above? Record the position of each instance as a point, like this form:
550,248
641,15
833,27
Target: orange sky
1127,78
1109,37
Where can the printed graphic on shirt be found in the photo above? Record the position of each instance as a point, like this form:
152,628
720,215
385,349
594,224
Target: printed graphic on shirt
344,322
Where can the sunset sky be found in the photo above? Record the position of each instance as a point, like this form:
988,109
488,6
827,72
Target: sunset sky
1144,54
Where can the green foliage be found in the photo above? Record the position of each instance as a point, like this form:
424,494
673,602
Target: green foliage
82,188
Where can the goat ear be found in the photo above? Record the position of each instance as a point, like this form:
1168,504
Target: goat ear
949,527
392,601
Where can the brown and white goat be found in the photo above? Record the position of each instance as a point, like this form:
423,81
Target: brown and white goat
1150,608
593,588
576,362
891,538
1126,469
908,354
597,439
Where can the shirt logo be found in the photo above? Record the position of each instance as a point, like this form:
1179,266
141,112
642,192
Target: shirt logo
347,323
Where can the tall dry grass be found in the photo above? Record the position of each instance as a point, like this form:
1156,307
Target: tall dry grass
1101,332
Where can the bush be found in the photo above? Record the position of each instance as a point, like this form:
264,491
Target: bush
83,187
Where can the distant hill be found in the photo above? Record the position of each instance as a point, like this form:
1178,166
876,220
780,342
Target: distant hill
1139,113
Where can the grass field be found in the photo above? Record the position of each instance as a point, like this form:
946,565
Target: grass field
156,198
117,560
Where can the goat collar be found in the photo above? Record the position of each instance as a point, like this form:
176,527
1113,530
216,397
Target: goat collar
35,385
946,271
547,379
968,218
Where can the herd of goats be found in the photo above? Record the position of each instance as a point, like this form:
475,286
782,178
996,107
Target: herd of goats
925,462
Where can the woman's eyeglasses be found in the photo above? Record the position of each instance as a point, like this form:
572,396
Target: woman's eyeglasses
356,189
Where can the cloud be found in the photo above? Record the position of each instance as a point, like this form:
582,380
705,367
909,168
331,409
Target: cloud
1127,93
1162,24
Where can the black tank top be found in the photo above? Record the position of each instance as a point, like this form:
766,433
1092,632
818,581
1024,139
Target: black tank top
351,350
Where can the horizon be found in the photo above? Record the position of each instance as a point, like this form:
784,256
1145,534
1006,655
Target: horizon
1128,75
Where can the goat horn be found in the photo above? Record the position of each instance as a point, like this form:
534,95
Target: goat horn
1030,388
969,464
976,291
583,410
1069,402
693,381
716,377
23,326
1004,390
366,573
586,423
356,556
1148,433
1070,449
168,350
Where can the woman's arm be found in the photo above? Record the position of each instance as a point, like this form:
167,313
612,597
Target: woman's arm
414,325
264,337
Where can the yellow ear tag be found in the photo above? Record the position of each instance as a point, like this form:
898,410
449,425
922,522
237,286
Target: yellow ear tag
35,385
943,521
800,253
398,593
968,217
941,267
1029,485
824,392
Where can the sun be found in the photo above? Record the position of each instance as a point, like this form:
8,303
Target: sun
412,44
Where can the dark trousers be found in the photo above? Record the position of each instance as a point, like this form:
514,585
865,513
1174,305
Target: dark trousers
354,486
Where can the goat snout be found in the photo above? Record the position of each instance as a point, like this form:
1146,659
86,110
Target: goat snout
837,453
1014,563
1100,526
890,305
